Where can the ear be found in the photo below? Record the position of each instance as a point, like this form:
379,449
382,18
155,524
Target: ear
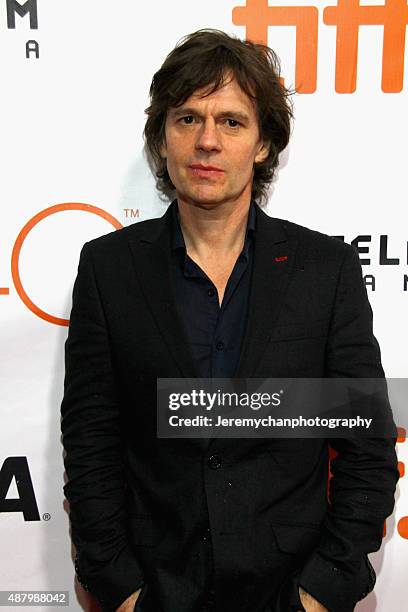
263,153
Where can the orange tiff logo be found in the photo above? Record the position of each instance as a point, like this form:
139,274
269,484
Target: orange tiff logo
347,17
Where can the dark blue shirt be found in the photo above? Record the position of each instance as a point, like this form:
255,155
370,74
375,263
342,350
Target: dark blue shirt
215,332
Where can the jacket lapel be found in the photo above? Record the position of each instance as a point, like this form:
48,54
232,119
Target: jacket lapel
274,256
152,258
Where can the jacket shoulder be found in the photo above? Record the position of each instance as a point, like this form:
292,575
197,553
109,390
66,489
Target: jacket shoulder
117,238
316,244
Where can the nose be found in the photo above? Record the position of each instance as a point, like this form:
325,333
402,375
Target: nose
208,138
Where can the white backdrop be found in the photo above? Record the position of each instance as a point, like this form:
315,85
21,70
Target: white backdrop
71,122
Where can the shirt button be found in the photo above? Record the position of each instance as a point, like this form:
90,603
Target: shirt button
210,601
214,462
206,537
211,292
219,346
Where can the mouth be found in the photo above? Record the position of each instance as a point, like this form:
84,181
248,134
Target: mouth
205,171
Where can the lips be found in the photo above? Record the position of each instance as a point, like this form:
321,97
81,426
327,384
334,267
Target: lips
205,172
206,168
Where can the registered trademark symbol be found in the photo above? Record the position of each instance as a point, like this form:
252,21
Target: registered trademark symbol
46,516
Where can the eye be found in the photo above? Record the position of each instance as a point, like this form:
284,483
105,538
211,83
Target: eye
232,123
187,120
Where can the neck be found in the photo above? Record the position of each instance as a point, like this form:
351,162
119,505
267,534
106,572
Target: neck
213,232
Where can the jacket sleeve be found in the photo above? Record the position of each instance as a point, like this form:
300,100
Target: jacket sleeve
338,573
106,565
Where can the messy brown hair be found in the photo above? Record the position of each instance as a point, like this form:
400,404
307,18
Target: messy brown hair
203,60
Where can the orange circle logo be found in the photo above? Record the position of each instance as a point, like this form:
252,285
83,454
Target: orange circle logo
15,256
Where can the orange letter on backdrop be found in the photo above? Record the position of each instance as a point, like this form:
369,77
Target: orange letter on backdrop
257,15
348,15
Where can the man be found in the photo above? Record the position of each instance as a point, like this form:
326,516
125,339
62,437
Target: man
216,288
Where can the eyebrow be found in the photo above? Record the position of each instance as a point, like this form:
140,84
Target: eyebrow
182,111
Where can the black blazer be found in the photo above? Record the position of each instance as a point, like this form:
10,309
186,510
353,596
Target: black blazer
137,502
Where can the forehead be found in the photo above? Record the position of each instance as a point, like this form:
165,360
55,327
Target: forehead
229,96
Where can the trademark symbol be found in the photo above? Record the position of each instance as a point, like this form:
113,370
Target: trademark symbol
131,212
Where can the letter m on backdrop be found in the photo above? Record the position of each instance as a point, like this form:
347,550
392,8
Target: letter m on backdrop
14,7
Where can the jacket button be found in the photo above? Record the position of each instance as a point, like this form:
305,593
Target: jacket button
214,462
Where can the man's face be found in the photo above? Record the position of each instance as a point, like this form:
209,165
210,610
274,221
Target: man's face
211,145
